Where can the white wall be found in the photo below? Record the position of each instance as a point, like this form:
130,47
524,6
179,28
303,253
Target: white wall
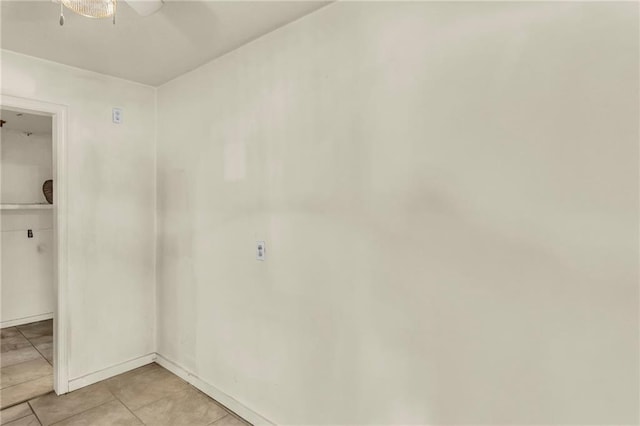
27,264
26,162
449,198
111,207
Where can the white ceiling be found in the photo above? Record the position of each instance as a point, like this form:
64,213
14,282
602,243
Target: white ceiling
151,50
26,122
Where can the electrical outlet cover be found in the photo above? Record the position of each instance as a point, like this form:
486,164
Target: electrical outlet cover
260,250
116,115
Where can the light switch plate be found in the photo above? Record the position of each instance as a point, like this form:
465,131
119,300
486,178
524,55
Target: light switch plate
116,115
260,250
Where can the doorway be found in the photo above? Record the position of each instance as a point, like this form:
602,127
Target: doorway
33,283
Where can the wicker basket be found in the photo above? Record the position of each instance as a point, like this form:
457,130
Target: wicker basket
47,189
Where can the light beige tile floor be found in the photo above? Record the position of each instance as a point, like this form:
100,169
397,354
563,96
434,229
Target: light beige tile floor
149,395
26,362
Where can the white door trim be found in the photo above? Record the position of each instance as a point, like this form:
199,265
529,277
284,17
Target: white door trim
61,339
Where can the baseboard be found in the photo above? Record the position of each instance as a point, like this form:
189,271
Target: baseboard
26,320
232,404
114,370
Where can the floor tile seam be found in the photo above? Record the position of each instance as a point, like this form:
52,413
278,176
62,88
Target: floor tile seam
11,365
37,337
224,407
41,354
22,334
233,413
29,360
217,420
8,337
23,362
152,402
26,381
33,411
226,413
16,349
23,345
129,409
29,340
219,404
3,354
191,387
241,419
152,371
20,402
11,350
26,415
83,411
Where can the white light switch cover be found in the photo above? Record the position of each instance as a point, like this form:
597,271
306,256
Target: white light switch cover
260,250
116,115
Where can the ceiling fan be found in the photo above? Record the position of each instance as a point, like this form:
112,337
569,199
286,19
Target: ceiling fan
107,8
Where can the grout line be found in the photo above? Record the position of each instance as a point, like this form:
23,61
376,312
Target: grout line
29,360
26,381
126,406
45,358
22,334
193,379
33,411
18,418
24,362
41,354
224,407
33,346
240,419
114,398
31,343
27,400
217,420
128,409
164,397
172,395
84,411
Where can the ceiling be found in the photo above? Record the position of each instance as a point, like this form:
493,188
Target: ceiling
151,50
26,122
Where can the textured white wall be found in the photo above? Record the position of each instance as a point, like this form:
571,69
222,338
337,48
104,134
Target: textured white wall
111,207
449,198
26,163
27,268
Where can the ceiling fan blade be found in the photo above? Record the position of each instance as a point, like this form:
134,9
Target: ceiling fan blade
145,7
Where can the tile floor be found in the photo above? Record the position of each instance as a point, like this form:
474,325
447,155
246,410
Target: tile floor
149,395
26,362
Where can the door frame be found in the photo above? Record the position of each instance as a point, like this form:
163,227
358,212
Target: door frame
58,113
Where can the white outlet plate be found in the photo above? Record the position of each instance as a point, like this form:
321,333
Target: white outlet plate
260,250
116,115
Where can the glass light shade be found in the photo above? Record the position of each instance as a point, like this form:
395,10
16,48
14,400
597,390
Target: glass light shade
92,8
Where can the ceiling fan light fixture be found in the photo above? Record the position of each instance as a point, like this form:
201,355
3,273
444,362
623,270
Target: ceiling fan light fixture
92,8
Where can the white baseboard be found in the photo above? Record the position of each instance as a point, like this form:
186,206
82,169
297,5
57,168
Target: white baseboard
232,404
114,370
26,320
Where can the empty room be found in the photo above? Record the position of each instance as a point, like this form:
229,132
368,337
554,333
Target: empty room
351,212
